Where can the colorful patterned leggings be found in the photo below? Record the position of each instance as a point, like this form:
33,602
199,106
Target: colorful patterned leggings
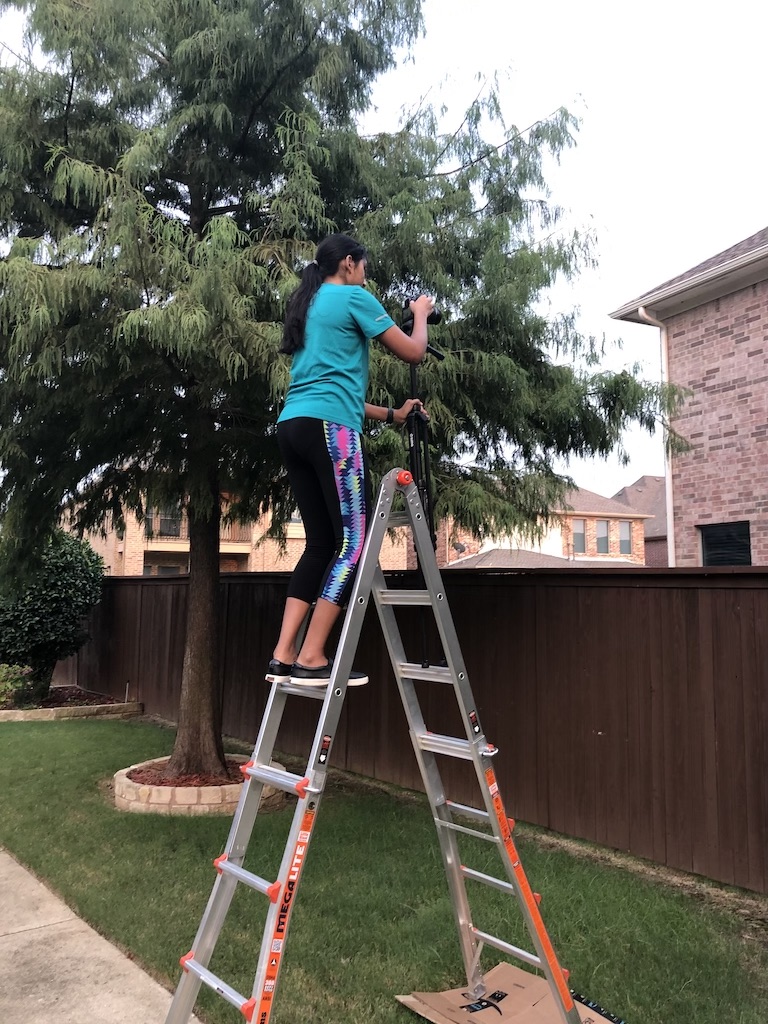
329,478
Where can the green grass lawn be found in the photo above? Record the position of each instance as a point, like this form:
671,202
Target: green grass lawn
373,918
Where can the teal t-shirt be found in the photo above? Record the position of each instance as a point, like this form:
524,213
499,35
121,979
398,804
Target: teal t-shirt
329,373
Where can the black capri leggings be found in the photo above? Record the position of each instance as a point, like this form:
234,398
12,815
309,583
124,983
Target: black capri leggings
328,473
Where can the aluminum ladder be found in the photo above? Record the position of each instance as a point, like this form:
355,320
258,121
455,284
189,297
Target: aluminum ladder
450,818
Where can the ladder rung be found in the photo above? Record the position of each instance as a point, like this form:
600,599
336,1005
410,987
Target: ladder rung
278,778
318,692
225,867
445,745
467,831
405,597
479,876
508,948
226,991
432,673
467,811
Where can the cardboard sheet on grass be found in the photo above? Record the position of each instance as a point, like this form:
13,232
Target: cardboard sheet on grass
513,997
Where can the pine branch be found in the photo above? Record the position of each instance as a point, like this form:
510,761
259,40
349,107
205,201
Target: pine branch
488,151
238,150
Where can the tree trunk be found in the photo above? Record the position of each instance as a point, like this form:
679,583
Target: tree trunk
198,749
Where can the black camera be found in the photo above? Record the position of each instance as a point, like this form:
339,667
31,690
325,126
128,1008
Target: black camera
407,325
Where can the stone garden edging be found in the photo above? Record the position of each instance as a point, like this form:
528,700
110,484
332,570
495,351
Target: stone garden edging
130,710
145,799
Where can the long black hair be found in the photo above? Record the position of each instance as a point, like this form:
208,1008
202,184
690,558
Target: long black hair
331,251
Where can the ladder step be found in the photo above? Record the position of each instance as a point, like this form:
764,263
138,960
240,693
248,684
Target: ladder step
449,745
479,876
507,947
404,597
432,673
245,1006
467,811
278,778
226,867
318,692
454,827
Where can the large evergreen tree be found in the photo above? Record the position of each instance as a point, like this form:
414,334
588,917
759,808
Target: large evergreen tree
167,168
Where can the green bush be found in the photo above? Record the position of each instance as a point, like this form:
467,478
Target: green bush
14,682
42,616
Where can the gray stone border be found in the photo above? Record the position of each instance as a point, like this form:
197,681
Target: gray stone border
130,710
187,800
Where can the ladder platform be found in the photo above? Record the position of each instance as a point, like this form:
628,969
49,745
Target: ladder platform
318,692
232,996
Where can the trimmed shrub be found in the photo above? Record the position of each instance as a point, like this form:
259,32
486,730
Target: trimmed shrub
42,617
14,682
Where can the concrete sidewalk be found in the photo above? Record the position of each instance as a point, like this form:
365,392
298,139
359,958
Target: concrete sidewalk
54,967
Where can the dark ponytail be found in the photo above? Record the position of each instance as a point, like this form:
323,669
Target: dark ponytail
331,251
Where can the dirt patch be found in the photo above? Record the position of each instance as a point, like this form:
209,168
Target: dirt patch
153,775
63,697
74,697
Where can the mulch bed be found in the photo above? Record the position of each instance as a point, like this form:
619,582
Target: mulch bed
74,697
65,697
152,775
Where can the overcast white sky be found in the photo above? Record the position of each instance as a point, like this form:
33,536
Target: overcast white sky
671,161
670,166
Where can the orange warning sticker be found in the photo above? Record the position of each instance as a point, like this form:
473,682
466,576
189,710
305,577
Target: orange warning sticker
285,903
526,892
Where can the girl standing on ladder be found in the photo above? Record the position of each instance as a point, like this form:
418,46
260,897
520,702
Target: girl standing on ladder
329,321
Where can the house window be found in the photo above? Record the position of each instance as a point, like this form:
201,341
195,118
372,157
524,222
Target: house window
170,524
168,570
601,532
579,537
625,537
725,544
165,523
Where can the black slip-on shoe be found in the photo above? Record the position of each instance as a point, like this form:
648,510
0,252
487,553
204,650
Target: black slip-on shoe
278,672
302,676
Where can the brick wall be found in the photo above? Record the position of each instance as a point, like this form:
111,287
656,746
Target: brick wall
636,556
720,351
656,553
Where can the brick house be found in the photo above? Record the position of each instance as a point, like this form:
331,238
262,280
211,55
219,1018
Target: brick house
713,321
160,547
590,530
648,494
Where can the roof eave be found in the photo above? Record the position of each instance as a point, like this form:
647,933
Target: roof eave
606,513
713,283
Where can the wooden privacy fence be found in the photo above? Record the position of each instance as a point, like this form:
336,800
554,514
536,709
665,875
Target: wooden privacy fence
630,706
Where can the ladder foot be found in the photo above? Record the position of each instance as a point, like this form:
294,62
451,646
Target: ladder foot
248,1009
